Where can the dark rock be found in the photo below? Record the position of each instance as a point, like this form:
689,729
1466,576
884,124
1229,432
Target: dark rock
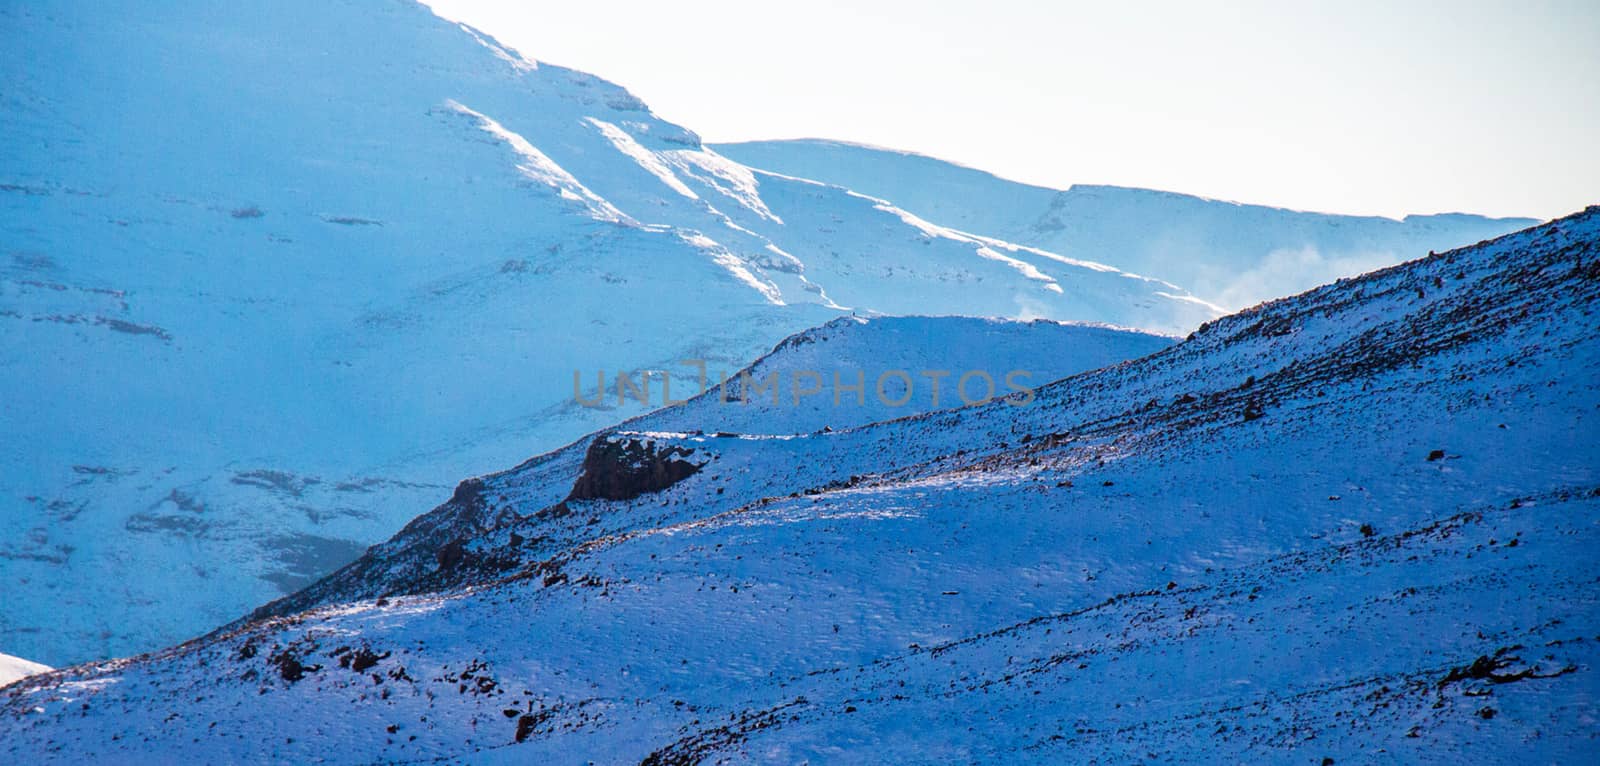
625,468
451,554
1253,410
363,659
291,669
527,723
468,492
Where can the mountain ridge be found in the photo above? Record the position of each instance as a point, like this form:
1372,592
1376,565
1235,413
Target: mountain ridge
1112,223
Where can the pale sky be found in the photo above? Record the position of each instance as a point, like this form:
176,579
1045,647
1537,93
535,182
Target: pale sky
1353,106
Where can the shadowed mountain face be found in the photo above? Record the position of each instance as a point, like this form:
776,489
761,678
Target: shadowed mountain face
1354,523
275,274
1230,254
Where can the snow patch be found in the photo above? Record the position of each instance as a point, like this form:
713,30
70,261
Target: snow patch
16,668
729,178
734,265
539,167
517,62
647,159
1023,267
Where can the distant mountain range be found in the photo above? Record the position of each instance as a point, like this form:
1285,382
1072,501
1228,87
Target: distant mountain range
276,275
1230,254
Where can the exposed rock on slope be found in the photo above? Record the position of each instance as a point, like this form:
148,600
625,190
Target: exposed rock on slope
625,467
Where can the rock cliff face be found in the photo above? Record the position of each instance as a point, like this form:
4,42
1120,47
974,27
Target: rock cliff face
623,468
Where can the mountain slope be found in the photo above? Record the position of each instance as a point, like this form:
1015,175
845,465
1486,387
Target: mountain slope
14,668
859,351
1230,254
276,272
1354,524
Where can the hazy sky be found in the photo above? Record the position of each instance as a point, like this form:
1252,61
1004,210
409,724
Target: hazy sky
1351,106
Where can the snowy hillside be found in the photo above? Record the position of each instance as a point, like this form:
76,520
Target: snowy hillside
864,370
1357,524
13,668
858,350
1230,254
275,274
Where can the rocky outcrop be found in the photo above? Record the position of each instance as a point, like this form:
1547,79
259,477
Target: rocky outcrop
623,468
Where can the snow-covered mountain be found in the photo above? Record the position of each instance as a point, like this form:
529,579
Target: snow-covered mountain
1229,254
276,273
1356,524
